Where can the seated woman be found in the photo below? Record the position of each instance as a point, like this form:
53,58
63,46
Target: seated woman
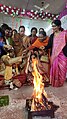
40,67
42,40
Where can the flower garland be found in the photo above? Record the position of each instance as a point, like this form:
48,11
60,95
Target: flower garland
13,11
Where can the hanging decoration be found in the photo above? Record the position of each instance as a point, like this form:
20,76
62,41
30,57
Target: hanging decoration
17,21
16,25
12,22
20,22
13,11
63,13
63,18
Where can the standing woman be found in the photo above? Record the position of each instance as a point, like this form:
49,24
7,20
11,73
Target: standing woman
58,45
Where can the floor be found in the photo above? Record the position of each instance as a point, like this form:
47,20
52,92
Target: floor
17,101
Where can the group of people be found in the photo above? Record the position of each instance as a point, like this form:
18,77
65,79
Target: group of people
17,51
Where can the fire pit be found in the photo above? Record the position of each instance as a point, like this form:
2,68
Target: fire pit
39,105
42,113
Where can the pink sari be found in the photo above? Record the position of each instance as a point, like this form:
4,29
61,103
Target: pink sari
58,61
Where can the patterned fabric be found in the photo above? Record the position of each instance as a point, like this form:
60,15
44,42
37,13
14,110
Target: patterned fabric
58,61
33,39
38,44
58,44
21,78
25,41
18,48
58,70
10,41
43,68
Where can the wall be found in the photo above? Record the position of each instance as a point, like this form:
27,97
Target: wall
28,23
64,22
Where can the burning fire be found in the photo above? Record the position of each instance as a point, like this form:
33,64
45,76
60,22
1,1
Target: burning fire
39,95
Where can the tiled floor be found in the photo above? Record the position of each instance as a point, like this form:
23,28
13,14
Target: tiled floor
16,107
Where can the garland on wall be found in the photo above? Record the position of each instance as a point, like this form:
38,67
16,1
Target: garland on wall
63,13
13,11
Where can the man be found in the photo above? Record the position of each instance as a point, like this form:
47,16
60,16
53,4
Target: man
25,39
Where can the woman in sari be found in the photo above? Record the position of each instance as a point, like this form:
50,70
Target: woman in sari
58,45
3,47
42,40
33,35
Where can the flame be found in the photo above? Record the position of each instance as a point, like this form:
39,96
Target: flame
38,86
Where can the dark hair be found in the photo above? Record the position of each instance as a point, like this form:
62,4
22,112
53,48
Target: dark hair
34,28
17,37
42,29
10,28
4,26
34,55
43,33
14,30
22,27
2,34
57,22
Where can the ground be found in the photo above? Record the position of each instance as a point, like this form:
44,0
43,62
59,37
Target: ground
17,101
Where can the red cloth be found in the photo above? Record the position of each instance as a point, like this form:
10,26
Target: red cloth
1,77
33,39
21,77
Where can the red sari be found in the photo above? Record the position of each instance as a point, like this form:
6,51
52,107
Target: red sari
33,39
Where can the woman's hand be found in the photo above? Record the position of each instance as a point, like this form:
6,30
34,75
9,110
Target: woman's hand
42,48
24,53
